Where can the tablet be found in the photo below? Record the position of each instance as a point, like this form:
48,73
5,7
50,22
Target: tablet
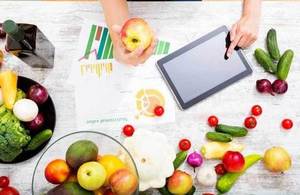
200,69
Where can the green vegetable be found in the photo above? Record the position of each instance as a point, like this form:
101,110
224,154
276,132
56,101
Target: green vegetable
164,191
13,136
284,64
232,130
226,181
180,158
39,139
219,137
273,45
265,61
192,191
20,95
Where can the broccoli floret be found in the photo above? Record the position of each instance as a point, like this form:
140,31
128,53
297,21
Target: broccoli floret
8,153
13,137
20,94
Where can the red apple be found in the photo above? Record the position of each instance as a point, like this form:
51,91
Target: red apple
180,182
57,171
233,161
123,182
136,33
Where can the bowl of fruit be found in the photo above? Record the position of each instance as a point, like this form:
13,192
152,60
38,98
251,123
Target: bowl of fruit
27,117
85,163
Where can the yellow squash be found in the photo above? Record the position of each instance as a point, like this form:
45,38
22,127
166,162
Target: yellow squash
8,84
216,150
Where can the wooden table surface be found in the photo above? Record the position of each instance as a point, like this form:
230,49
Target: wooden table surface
181,22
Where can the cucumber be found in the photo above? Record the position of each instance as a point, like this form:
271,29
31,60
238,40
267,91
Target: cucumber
225,182
180,158
234,131
272,45
284,64
219,137
265,61
39,139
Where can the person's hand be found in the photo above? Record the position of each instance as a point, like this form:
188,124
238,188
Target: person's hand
136,57
243,33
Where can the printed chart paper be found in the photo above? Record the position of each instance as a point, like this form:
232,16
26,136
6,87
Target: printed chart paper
112,94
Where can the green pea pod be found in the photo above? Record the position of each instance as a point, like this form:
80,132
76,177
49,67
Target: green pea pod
180,158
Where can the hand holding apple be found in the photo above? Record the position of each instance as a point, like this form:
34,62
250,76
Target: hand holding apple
134,42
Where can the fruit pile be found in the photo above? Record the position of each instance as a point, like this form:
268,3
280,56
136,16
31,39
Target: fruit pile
21,123
5,189
274,63
84,171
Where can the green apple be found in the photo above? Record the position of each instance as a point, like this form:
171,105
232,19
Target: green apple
91,175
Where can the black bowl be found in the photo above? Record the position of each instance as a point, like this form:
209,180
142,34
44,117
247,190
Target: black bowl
47,109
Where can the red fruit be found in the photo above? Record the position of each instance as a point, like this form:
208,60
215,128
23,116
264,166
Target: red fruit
4,181
159,110
233,161
9,191
220,169
256,110
128,130
184,145
287,124
213,121
57,171
250,122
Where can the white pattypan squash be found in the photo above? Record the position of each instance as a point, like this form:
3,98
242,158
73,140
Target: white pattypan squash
153,156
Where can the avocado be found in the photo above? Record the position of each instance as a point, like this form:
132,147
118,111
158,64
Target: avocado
69,188
80,152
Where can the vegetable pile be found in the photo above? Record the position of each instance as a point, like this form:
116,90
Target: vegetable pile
20,121
274,63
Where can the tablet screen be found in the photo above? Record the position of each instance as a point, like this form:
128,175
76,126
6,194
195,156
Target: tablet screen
203,67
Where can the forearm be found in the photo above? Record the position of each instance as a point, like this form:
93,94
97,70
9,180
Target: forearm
252,8
116,13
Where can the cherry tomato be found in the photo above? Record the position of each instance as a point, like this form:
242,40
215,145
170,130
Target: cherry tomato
128,130
287,124
213,121
9,191
256,110
250,122
159,110
4,181
184,144
220,169
233,161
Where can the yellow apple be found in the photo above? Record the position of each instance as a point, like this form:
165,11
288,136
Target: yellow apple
91,175
136,33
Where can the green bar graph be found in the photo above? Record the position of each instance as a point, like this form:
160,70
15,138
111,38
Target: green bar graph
102,43
90,41
107,48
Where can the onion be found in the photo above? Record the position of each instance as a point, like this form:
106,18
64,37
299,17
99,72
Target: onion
195,159
36,124
280,86
264,86
38,94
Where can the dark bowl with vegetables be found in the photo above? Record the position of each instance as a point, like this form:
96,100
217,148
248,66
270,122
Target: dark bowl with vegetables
25,139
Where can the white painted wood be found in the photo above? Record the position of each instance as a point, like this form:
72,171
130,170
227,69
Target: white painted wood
181,22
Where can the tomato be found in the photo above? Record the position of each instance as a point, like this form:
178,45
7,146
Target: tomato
256,110
233,161
213,121
287,124
159,110
9,191
128,130
184,144
250,122
4,181
220,169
